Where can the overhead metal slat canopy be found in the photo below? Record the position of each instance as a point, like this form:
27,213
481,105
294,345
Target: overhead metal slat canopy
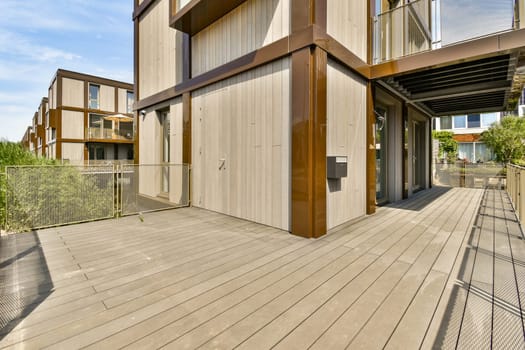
478,76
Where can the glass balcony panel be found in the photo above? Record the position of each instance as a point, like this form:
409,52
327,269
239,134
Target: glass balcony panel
468,19
430,24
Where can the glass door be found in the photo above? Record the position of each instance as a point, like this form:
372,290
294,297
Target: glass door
381,154
165,152
418,155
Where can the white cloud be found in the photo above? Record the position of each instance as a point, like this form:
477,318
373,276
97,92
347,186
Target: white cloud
23,47
39,36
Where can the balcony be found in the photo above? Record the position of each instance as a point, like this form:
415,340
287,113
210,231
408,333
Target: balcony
193,16
424,25
107,134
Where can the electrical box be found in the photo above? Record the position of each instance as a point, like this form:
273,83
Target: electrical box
336,167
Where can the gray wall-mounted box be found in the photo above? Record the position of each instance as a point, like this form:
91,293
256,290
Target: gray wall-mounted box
336,167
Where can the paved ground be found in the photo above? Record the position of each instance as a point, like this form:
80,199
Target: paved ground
443,269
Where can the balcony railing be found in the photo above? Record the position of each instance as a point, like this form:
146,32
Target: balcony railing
516,189
423,25
109,134
402,31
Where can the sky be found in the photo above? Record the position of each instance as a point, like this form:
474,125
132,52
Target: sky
464,19
37,37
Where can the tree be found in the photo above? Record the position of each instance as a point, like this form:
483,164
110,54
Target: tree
447,145
507,139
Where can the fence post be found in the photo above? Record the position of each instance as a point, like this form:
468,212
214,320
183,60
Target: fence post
3,189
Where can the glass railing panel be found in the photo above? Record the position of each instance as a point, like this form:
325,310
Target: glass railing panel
402,31
466,19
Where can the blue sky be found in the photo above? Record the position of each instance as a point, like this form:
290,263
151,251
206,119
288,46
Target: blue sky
39,36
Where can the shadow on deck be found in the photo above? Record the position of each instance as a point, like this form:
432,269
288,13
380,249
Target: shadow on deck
25,279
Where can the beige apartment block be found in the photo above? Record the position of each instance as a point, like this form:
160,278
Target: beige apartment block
307,114
86,120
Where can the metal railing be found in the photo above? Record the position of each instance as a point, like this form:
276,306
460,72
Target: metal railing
153,187
423,25
516,189
44,196
402,31
471,175
109,134
34,197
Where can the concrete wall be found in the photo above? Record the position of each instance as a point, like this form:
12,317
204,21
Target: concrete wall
346,136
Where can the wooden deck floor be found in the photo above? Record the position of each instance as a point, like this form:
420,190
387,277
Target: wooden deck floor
444,268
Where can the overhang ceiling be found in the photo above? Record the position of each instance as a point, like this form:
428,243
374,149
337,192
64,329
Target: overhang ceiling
488,84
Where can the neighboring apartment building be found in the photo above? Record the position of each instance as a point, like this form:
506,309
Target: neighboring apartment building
27,141
305,114
35,136
467,131
85,120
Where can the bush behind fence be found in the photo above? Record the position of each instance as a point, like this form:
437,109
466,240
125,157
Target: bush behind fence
42,196
33,197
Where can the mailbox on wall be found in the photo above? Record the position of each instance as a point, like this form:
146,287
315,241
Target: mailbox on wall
336,167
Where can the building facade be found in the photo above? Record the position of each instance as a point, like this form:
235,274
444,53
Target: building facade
85,120
467,131
303,114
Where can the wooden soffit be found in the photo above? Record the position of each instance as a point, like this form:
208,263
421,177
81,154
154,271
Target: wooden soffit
199,14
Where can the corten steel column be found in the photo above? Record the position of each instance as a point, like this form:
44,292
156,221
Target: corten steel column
186,109
136,71
309,66
370,151
309,142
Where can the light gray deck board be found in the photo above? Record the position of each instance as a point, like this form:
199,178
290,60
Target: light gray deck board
419,273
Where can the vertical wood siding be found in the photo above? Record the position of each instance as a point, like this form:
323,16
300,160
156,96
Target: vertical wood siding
72,93
159,62
347,23
72,125
346,136
250,26
241,145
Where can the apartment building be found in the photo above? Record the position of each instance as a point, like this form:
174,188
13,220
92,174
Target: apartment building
467,129
85,120
27,141
34,138
306,114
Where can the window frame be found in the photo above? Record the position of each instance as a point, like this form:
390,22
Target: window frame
91,99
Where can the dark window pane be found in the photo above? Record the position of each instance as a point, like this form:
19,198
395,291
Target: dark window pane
474,121
446,123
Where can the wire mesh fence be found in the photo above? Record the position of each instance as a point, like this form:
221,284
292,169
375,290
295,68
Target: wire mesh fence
471,175
151,187
33,197
43,196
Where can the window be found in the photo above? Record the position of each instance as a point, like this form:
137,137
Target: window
53,133
474,120
487,119
129,100
96,152
475,152
446,123
94,92
99,128
460,122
